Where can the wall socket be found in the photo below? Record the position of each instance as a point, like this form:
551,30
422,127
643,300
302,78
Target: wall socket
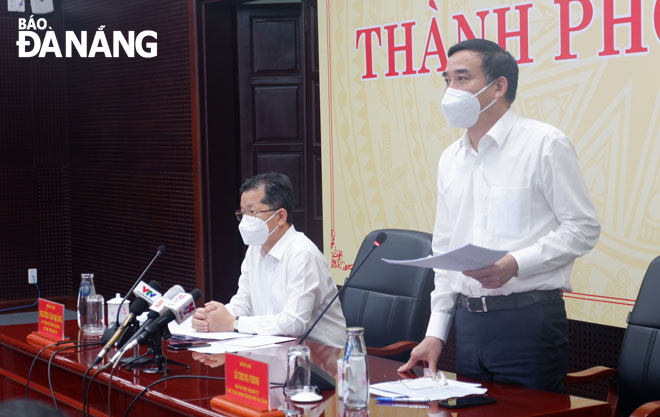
32,276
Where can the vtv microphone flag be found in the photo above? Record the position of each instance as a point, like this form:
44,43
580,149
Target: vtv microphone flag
138,307
179,309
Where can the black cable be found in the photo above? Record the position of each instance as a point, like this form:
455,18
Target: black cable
50,362
112,371
34,361
98,371
212,378
84,379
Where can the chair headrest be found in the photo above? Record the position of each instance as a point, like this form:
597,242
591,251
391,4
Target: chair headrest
647,308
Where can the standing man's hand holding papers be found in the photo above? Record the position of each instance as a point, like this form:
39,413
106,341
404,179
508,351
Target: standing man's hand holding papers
466,258
492,268
490,275
497,274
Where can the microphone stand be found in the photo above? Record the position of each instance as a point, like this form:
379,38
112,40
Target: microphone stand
319,377
341,291
156,352
133,325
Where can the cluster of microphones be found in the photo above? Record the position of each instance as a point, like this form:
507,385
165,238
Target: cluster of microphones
175,305
178,305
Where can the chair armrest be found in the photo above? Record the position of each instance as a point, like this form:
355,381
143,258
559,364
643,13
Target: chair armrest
589,375
650,409
393,349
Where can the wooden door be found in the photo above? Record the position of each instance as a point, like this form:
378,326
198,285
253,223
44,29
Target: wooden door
278,102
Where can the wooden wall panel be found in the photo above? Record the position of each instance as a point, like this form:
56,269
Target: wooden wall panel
130,132
34,208
272,46
277,114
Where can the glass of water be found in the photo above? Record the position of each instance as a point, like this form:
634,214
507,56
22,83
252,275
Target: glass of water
297,371
92,314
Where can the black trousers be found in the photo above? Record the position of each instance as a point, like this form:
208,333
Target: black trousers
522,346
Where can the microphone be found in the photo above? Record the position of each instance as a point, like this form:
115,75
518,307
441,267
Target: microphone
145,295
180,308
159,306
138,307
319,377
159,251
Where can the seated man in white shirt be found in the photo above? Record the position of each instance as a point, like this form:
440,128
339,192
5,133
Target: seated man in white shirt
285,281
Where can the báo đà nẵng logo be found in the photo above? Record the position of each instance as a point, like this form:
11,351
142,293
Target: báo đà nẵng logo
111,44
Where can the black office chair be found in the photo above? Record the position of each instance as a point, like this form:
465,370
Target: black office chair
391,302
635,387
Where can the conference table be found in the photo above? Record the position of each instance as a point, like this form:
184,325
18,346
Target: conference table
189,392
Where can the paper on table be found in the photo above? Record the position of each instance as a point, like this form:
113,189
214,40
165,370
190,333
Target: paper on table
466,258
237,345
256,341
185,331
426,388
223,347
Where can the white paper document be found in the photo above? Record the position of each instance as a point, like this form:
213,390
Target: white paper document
466,258
427,388
184,331
242,344
222,342
222,347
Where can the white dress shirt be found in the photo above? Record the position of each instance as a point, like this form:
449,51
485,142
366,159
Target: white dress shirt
284,291
522,192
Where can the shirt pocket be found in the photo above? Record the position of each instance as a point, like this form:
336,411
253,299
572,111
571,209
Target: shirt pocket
278,294
509,211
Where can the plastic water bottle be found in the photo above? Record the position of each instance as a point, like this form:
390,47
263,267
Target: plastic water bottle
86,289
355,372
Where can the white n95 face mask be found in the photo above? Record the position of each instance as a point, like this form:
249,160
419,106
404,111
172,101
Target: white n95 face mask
254,230
462,108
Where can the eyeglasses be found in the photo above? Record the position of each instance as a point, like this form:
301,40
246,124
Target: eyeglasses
240,213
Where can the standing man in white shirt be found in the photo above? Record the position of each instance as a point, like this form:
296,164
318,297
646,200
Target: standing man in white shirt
508,183
285,281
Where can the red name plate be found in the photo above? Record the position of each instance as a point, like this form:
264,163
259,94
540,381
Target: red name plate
51,319
246,382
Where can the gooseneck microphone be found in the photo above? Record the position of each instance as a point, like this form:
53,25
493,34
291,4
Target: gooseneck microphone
380,238
319,377
159,251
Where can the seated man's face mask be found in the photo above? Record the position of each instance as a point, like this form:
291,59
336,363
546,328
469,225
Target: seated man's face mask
462,108
254,230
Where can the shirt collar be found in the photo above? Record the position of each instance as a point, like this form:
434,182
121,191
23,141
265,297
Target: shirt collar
498,132
278,249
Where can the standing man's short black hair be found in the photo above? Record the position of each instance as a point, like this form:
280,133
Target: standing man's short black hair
495,61
278,192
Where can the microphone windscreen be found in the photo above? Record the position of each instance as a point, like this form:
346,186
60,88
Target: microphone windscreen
154,284
138,306
161,249
380,238
196,294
